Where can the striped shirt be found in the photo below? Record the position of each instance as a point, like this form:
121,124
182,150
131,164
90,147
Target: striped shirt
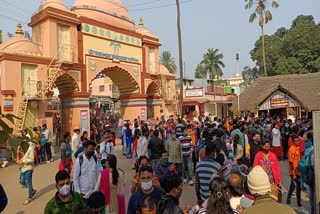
204,211
186,145
204,171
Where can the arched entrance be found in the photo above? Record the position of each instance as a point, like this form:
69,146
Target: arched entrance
122,79
153,95
110,86
66,84
69,112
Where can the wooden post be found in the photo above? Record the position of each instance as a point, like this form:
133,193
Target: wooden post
316,137
300,112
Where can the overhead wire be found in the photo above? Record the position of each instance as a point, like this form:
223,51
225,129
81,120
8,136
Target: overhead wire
7,10
23,10
144,3
117,9
13,19
161,6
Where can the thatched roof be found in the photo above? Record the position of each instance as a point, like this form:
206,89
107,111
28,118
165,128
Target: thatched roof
304,88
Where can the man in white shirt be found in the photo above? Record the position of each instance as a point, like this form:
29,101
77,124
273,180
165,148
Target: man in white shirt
142,147
86,171
76,141
103,144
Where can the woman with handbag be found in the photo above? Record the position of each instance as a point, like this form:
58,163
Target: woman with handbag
269,161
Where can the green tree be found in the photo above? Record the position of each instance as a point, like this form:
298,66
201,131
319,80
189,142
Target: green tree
250,74
273,52
289,65
168,61
291,51
200,72
212,64
5,130
264,15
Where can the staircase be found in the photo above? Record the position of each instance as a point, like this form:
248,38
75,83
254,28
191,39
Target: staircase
22,109
55,63
50,81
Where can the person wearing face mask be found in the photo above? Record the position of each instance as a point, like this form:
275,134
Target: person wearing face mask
254,147
269,161
135,184
145,175
169,203
64,201
174,151
86,171
142,147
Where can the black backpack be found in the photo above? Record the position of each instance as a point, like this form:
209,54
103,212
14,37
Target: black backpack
81,161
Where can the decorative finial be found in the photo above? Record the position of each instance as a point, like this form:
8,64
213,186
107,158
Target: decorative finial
19,30
141,22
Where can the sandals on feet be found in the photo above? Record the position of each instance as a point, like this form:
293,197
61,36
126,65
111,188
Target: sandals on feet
27,201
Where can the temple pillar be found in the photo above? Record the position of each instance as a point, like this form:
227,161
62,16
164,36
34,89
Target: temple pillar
75,112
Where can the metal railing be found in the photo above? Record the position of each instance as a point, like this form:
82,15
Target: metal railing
26,96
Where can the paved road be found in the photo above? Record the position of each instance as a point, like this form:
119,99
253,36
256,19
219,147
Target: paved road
43,180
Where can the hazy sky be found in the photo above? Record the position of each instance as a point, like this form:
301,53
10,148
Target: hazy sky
205,24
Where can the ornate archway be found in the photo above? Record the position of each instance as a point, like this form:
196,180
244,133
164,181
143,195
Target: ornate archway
153,90
121,78
66,84
153,94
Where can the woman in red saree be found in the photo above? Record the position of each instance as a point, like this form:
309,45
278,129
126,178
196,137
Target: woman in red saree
269,161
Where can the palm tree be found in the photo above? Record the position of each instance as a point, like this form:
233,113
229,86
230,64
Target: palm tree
168,61
212,64
180,56
262,12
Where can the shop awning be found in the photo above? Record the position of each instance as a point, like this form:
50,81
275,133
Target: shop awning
197,100
220,102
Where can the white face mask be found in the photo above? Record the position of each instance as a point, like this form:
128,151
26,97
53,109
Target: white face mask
146,185
65,190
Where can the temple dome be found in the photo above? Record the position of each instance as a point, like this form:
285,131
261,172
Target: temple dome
164,70
18,44
111,12
144,31
55,4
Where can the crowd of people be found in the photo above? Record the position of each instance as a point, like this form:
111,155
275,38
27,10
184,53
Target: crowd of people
233,165
210,153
